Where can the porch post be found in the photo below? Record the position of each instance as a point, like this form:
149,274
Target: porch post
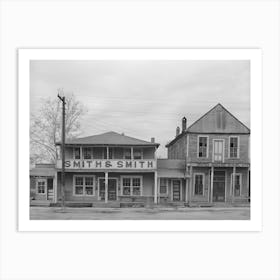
191,184
211,185
233,181
248,183
186,189
106,187
158,189
155,187
107,152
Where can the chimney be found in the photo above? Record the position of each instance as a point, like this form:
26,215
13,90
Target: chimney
177,131
153,140
184,124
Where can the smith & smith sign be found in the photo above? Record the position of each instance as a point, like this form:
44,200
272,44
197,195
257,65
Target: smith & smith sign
108,164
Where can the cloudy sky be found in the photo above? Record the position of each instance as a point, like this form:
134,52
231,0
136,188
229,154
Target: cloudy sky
144,99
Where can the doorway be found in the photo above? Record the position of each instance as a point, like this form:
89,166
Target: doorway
176,190
219,186
112,189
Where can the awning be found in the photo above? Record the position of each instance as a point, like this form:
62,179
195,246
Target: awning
171,173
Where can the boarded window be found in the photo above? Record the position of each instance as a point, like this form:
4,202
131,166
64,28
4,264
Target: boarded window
233,147
202,146
198,184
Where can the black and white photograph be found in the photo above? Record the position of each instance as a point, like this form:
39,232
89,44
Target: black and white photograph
140,140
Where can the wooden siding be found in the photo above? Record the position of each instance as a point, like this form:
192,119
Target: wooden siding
218,120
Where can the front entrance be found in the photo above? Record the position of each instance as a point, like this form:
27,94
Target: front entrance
176,192
50,192
112,189
219,186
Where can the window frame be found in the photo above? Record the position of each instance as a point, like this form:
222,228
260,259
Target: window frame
131,185
207,145
91,153
39,180
203,183
167,184
74,153
233,187
238,147
84,185
131,155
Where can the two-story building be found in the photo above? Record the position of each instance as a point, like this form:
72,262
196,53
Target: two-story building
216,149
106,168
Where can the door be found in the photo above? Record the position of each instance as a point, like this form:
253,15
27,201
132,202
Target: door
112,189
218,150
219,186
50,193
176,193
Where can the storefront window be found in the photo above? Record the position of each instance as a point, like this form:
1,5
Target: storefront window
84,185
163,186
237,187
41,186
131,186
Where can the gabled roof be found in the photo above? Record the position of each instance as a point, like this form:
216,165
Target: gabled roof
109,138
217,120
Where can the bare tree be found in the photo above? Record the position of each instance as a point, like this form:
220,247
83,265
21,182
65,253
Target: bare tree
45,127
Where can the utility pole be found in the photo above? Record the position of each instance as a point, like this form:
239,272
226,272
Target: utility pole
62,98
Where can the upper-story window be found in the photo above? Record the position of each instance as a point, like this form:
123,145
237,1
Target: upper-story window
87,153
127,153
77,153
233,147
137,153
202,146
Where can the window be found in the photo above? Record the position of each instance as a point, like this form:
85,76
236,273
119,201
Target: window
202,146
77,153
87,153
238,182
132,186
233,147
137,154
41,186
127,153
84,185
163,186
198,184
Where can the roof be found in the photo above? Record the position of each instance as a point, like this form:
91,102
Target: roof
171,168
46,170
109,138
217,120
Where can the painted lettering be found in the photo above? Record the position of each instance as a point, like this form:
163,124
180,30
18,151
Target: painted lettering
128,164
142,163
89,163
98,164
67,163
150,164
76,164
108,163
120,164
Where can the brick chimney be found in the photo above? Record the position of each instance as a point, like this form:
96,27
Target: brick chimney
177,131
153,140
184,124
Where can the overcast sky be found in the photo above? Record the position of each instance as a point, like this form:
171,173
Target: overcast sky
144,99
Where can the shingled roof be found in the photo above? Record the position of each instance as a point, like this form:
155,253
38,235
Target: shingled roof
109,138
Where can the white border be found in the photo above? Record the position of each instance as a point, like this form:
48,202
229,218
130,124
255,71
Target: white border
24,57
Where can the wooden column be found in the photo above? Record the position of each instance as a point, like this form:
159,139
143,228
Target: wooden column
186,189
158,190
233,181
190,184
106,187
155,187
248,182
55,187
107,152
211,185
